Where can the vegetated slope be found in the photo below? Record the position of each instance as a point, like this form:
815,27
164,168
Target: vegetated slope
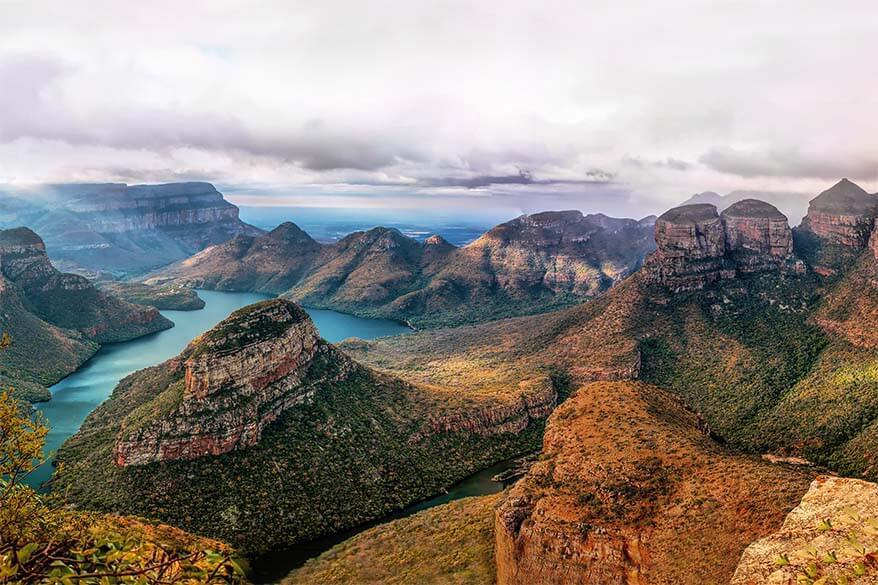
123,229
630,488
528,265
165,298
56,320
766,356
259,419
452,544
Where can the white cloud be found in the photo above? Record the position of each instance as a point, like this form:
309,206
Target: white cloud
386,96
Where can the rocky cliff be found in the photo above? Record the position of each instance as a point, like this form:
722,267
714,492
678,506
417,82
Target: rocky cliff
259,417
830,537
697,246
530,264
236,379
629,490
838,227
56,320
121,228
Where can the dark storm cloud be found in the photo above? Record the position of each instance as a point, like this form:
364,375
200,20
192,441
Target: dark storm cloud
523,177
790,163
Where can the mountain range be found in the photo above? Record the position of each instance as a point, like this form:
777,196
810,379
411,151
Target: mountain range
689,418
531,264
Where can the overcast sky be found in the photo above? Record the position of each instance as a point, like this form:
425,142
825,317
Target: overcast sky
618,106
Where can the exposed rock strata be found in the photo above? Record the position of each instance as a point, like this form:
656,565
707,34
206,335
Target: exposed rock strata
237,379
830,535
697,246
120,228
843,215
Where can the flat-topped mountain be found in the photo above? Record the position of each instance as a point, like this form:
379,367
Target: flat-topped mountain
698,246
120,228
530,264
56,320
259,417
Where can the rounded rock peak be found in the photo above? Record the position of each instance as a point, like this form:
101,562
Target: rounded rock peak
253,323
20,236
845,196
689,214
753,208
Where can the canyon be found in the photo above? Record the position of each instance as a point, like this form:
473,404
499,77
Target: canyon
534,263
56,321
122,229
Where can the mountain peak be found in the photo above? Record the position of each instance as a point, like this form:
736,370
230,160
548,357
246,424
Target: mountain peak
20,236
689,214
845,196
289,232
753,208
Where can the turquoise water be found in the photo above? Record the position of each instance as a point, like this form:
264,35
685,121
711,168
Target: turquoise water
74,397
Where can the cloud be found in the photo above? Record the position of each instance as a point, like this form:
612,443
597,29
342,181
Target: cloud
792,162
419,98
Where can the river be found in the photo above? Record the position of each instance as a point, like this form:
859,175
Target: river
74,397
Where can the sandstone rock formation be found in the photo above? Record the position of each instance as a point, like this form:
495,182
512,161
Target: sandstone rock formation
120,228
629,491
697,246
236,379
831,537
843,215
758,236
530,264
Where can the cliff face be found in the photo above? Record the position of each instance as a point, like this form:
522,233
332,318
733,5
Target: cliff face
56,319
237,379
527,265
697,246
843,214
829,537
615,497
121,228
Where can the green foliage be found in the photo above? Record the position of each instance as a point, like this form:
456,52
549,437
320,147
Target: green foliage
42,542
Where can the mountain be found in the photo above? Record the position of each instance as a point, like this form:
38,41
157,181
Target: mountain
726,346
259,418
530,264
170,298
123,229
56,320
791,204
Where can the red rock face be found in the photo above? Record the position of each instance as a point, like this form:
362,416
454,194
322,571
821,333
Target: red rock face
691,248
850,230
697,247
236,380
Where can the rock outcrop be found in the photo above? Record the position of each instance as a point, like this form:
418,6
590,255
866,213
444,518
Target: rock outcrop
530,264
831,537
630,491
121,228
758,236
697,246
842,215
236,379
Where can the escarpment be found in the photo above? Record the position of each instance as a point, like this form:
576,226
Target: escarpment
697,246
629,491
838,227
120,228
236,379
259,417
